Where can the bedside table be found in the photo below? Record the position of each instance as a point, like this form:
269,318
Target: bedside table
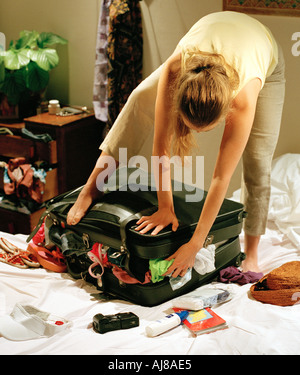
77,139
72,155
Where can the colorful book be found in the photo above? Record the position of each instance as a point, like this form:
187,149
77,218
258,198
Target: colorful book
203,321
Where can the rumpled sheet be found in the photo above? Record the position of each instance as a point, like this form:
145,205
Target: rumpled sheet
284,207
253,327
285,197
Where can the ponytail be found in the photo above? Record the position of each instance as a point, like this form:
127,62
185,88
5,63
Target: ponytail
203,95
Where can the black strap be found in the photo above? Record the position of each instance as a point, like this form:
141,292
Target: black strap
40,222
123,233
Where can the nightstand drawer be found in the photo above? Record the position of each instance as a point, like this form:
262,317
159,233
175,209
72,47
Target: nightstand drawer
16,222
13,146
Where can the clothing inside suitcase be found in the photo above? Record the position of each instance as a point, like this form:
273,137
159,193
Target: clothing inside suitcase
112,220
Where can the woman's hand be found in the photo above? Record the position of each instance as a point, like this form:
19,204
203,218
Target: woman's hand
184,258
159,220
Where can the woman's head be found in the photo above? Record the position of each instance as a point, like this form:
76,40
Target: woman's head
203,95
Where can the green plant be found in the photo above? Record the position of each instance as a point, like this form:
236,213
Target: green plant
25,65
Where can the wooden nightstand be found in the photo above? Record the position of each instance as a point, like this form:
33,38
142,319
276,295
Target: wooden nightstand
77,138
72,155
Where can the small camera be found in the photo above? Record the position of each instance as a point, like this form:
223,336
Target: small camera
105,323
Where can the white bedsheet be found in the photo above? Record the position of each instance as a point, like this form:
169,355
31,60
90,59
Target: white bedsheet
285,197
254,328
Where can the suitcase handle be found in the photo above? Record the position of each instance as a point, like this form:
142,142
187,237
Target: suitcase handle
123,228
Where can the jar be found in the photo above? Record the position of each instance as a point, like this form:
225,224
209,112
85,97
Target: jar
53,107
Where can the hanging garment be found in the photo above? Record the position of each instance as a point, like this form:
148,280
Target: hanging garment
101,65
124,52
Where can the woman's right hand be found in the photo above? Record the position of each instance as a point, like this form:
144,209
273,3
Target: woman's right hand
159,220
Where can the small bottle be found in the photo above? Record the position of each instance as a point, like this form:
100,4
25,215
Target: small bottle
165,324
53,107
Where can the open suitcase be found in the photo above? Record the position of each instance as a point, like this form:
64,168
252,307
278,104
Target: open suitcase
112,221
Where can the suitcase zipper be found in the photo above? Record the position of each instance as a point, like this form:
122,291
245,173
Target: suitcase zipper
85,239
123,249
209,240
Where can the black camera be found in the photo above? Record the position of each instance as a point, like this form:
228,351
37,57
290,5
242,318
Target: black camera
106,323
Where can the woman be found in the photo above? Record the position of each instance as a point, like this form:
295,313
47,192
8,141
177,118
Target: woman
227,66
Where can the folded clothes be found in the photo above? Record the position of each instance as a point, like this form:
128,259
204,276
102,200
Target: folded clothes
234,275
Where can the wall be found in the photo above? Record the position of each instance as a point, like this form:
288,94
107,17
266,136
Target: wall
165,22
76,20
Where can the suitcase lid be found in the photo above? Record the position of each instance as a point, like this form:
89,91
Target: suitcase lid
112,220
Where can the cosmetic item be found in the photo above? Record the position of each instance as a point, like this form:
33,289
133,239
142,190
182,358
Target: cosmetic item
201,298
53,107
165,324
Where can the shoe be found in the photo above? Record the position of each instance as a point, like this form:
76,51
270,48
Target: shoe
29,259
13,260
26,322
52,260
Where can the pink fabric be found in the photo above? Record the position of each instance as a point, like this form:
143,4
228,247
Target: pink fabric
39,237
123,276
95,251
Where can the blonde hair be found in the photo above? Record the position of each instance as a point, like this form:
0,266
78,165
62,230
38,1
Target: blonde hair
203,95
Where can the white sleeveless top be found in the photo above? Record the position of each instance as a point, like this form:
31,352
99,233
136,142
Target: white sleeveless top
245,43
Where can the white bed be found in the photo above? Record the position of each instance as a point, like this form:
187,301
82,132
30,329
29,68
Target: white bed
254,327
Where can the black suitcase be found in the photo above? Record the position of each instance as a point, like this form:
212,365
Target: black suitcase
112,221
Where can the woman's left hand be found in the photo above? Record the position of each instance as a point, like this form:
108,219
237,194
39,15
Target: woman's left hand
184,258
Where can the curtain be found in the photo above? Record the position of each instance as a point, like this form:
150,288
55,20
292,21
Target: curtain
100,75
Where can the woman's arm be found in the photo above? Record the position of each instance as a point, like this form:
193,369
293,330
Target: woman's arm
164,116
236,133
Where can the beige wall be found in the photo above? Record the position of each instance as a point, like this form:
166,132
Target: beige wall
164,21
75,20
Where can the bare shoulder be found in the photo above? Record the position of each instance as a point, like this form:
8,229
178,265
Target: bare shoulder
248,95
173,63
